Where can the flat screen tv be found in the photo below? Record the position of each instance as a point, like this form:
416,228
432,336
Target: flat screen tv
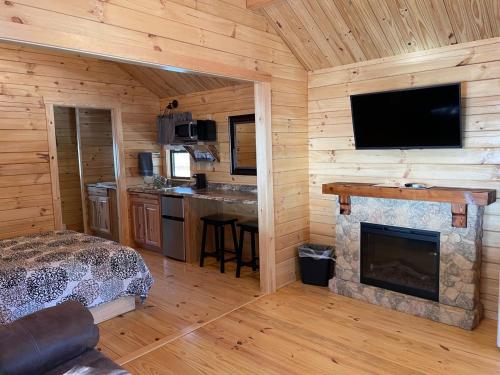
426,117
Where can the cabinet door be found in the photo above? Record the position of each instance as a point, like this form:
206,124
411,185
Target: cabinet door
93,214
103,209
138,221
153,225
114,221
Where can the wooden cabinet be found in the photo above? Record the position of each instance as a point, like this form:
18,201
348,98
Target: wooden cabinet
102,211
138,217
146,220
99,215
152,227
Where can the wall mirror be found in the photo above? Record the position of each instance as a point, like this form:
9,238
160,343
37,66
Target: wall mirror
242,145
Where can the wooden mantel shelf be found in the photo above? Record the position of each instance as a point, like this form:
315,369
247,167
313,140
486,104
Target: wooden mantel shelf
458,197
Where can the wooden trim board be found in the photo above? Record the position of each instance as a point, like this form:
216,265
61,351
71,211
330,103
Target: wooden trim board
458,197
120,175
118,154
112,309
480,197
265,188
166,60
54,168
83,194
498,317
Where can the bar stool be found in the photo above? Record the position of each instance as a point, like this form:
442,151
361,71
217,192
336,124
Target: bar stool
219,222
251,226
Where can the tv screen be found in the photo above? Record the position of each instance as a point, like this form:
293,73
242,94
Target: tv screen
427,117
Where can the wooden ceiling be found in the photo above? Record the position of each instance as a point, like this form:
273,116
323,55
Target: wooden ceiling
326,33
166,83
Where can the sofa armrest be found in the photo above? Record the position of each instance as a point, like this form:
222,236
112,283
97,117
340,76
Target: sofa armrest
41,341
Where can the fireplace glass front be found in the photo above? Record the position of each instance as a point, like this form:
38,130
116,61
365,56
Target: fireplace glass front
400,259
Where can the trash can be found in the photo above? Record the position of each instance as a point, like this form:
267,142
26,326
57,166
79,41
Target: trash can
316,264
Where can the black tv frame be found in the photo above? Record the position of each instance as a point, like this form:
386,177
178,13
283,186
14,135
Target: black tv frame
459,84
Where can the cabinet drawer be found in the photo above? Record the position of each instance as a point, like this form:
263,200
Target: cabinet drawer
144,198
97,191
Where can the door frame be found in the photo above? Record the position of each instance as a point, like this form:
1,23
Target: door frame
265,186
94,102
83,196
262,97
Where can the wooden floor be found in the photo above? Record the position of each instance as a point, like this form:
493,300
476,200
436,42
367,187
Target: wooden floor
183,298
298,330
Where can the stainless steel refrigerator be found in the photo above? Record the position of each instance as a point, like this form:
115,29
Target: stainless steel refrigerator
172,210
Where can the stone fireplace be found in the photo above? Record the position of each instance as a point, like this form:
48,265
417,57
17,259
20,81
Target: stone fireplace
420,251
427,267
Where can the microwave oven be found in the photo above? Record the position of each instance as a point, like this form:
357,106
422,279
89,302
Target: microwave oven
195,131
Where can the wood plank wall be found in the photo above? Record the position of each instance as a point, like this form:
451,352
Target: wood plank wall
333,158
96,139
69,173
218,105
246,156
218,35
28,76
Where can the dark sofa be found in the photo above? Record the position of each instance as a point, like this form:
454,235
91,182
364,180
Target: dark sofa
57,340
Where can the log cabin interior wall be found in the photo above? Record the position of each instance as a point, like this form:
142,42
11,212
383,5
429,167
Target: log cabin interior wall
69,173
218,105
244,144
96,140
333,158
234,40
229,40
27,77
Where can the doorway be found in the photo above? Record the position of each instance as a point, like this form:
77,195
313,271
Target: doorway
134,110
86,170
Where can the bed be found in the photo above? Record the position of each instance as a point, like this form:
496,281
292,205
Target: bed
42,270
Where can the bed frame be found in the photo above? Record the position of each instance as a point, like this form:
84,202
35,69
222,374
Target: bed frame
112,309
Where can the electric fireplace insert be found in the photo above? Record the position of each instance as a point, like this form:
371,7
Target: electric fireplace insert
404,260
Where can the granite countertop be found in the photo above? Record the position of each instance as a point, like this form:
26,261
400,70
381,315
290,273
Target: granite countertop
107,185
215,192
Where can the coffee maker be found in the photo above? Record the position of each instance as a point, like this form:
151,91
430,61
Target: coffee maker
200,181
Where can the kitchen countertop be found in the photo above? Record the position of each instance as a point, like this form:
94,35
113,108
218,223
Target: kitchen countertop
217,194
106,185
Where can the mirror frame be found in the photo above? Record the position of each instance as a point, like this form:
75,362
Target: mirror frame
233,121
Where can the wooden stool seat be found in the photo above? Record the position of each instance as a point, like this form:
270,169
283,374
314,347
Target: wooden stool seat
219,222
249,226
252,227
219,219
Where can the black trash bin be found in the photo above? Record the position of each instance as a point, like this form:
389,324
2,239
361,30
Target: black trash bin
316,264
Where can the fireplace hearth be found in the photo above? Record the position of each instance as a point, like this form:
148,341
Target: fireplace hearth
448,265
405,280
401,259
